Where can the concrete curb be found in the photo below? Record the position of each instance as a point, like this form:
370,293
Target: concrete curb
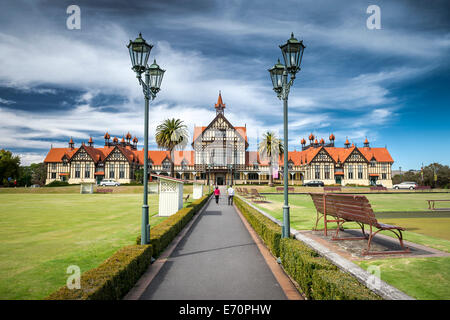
378,286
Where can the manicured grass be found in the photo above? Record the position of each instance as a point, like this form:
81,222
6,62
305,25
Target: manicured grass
42,234
421,278
427,228
76,189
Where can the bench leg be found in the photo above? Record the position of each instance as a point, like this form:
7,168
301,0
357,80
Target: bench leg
399,236
336,238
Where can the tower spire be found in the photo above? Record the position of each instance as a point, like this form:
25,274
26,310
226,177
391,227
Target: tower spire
220,106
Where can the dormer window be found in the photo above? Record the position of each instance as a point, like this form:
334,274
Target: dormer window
166,165
290,165
184,164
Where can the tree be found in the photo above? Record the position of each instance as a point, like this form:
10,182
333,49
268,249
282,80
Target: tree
172,134
38,173
271,147
138,175
9,167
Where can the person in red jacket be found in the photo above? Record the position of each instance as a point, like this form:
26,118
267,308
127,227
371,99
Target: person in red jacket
217,194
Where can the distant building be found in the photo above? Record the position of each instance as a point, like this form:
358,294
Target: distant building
220,156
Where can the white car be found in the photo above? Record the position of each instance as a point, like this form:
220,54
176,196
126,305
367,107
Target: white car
405,185
109,182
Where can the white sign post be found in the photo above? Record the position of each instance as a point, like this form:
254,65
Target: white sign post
198,191
170,195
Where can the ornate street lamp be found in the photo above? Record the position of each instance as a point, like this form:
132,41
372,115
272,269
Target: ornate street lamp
139,51
292,52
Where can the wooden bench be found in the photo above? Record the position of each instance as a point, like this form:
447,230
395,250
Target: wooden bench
331,189
104,191
356,208
431,203
378,188
257,195
281,189
322,211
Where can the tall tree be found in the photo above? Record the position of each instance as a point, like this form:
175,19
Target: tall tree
172,134
9,166
271,147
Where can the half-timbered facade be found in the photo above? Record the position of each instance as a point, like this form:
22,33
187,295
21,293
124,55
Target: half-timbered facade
220,156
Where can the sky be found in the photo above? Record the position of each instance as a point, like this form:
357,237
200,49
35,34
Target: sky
390,85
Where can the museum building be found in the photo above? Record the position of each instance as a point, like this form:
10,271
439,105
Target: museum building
220,156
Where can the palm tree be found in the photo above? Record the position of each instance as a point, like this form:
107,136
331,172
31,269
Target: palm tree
172,134
271,147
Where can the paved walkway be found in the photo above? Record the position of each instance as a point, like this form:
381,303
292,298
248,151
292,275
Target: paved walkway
217,259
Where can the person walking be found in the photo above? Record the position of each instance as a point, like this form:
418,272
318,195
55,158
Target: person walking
230,195
217,194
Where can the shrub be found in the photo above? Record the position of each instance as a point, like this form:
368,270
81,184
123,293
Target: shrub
112,279
162,234
300,262
337,285
57,183
268,230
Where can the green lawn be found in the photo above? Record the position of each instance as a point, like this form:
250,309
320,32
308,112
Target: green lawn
421,278
42,234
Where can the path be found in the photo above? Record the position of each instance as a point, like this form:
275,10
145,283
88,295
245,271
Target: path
217,259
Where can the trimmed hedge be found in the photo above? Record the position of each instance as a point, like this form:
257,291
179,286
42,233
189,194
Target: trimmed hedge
163,233
268,230
318,278
300,262
337,285
112,279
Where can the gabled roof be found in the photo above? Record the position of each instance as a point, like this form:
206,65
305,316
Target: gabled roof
242,131
56,154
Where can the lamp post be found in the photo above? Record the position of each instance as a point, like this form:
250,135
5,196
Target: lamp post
139,51
292,52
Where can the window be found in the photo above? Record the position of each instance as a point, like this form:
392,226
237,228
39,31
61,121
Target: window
121,171
350,172
186,176
255,166
166,165
87,170
54,166
384,166
77,170
327,172
253,176
360,172
53,175
383,176
317,172
237,176
290,165
183,165
373,163
111,171
203,176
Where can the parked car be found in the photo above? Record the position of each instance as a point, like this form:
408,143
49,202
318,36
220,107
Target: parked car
109,182
314,183
405,185
35,186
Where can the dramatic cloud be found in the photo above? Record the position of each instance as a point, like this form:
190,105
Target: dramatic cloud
57,83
